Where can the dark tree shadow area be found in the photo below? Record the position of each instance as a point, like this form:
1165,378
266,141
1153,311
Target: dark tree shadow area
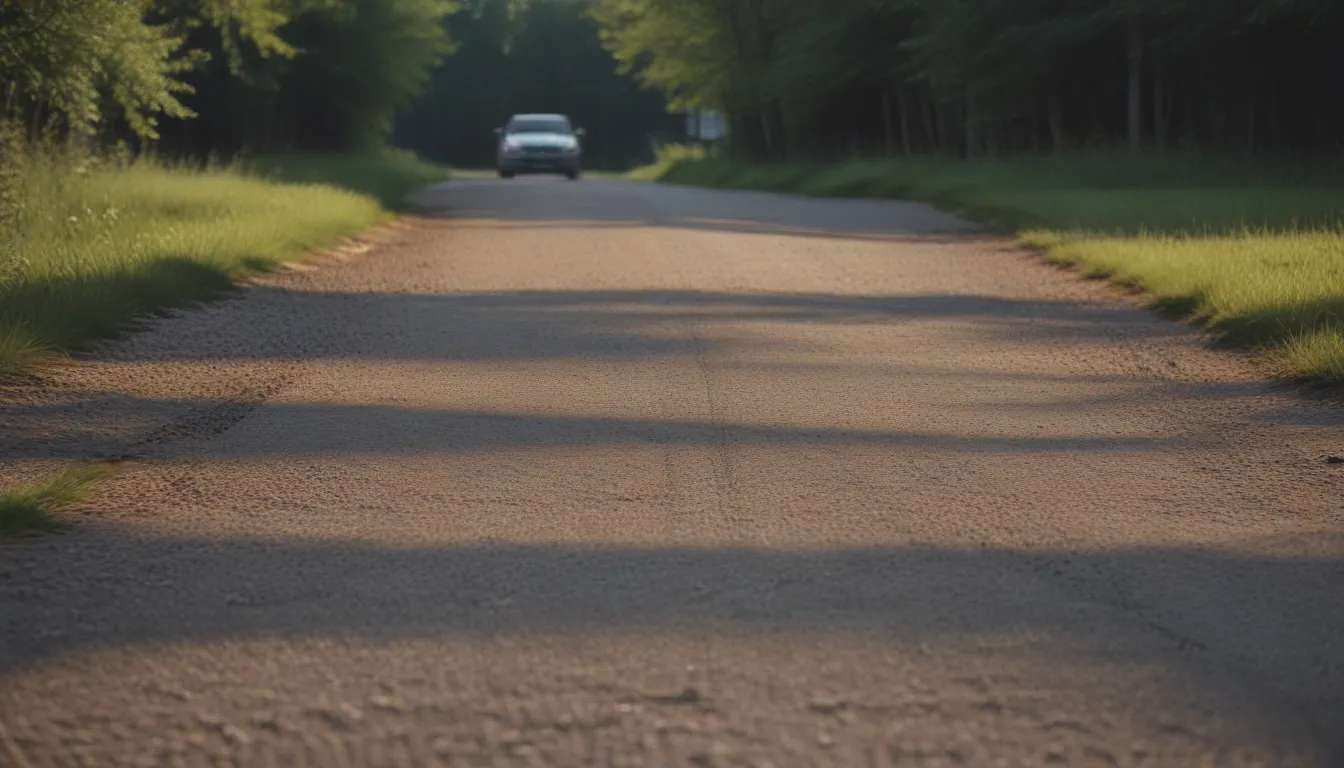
409,431
1271,621
609,325
615,326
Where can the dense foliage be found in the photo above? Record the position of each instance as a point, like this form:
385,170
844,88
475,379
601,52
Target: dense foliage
531,56
59,59
356,62
217,76
803,78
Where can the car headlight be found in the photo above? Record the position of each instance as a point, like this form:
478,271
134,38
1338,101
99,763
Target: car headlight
512,146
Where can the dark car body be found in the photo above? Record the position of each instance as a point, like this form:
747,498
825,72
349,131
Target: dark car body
538,143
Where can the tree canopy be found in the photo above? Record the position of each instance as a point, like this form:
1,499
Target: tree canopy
806,77
59,58
530,56
219,77
260,74
796,78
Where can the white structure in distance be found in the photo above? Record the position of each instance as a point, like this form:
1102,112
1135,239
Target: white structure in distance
706,125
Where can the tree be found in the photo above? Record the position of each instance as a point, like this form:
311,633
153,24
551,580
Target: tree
218,76
59,58
359,62
805,78
530,56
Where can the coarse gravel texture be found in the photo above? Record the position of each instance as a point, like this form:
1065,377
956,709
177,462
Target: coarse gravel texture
609,474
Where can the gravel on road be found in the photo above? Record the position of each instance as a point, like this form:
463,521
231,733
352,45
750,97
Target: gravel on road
610,474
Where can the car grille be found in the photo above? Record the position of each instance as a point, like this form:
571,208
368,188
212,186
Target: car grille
542,150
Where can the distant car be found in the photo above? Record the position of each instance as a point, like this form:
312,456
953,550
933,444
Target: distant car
539,144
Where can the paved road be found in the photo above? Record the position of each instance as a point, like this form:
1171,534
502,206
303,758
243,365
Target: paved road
619,475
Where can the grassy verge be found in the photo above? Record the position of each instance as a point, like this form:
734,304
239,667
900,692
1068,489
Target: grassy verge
1253,251
86,249
32,508
386,177
677,159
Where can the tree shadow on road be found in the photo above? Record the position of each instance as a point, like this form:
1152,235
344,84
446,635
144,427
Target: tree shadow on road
732,332
1270,617
615,324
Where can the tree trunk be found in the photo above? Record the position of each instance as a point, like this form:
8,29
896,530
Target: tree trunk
1217,120
766,136
776,138
945,139
1161,113
1188,101
929,121
903,106
1135,85
1056,117
739,42
972,127
888,132
35,129
1250,118
781,129
1320,122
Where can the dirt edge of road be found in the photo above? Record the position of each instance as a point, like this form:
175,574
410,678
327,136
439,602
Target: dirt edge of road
64,380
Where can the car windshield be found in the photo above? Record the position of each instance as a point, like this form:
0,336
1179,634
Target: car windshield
538,125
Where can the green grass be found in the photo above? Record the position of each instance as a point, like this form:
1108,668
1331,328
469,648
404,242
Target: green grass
385,176
87,249
31,509
1252,250
669,157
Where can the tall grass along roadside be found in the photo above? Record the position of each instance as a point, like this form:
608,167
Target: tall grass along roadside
33,508
87,246
1252,250
670,156
386,176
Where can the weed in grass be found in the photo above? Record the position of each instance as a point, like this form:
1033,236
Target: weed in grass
20,349
31,508
1319,352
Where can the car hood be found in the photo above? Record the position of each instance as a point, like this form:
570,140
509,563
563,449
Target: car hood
543,140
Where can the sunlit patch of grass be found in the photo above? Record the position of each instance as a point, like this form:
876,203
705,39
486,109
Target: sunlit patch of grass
1316,355
89,248
387,176
1282,292
668,157
32,508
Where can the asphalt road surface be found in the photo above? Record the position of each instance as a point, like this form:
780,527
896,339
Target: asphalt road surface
607,474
